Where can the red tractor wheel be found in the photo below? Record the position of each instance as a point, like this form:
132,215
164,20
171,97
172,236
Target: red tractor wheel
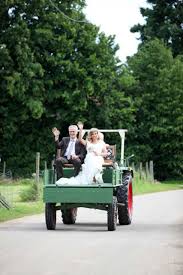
125,200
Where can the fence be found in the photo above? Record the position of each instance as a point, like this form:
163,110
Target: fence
10,191
4,173
6,194
145,171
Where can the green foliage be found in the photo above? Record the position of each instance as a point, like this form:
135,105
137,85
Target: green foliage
54,72
158,97
29,194
163,21
23,181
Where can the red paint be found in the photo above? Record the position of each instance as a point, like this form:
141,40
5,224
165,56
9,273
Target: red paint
130,199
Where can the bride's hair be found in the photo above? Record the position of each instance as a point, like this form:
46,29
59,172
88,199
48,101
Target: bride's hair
92,130
101,136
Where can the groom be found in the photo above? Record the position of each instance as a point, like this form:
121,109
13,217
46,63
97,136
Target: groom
72,151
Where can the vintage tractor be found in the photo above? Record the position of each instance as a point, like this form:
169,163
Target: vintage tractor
114,195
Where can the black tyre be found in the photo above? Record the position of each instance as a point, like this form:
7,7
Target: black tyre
69,215
125,200
112,215
50,216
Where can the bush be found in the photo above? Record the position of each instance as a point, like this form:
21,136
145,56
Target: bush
23,181
30,194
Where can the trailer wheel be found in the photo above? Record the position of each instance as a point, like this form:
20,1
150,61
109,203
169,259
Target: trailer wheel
125,200
69,215
50,216
112,215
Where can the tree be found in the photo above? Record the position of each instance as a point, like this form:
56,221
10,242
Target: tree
158,97
164,21
54,72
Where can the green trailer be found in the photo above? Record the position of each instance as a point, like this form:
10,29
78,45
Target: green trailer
114,195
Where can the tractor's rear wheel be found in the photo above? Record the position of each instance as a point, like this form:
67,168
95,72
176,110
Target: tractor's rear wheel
112,215
69,215
125,200
50,216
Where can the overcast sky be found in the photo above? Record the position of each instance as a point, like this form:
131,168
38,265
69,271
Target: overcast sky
117,17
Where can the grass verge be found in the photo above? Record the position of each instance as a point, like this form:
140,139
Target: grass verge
21,209
141,186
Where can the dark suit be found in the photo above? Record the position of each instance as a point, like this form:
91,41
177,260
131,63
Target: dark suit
80,151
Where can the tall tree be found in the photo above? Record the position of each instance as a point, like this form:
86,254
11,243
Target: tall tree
164,20
54,71
158,96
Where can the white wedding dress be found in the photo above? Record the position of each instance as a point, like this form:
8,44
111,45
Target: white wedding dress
91,169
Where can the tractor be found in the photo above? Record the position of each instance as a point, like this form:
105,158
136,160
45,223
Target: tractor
114,195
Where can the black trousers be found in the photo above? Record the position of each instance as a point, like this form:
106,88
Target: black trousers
63,160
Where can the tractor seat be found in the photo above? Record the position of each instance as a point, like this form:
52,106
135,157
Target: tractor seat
108,160
68,165
111,156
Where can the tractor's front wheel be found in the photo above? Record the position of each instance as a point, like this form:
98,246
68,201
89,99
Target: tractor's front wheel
69,215
50,216
112,215
125,200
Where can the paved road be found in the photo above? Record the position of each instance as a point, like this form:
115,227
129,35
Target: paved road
152,245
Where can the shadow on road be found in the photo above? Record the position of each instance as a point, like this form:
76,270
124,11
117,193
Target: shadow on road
136,228
41,227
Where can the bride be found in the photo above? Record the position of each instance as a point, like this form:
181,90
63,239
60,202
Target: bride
92,168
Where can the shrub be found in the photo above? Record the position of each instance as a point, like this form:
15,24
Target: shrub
30,194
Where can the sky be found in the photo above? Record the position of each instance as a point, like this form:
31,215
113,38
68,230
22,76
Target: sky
116,17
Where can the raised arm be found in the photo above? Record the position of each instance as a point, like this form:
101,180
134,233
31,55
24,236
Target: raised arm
80,126
56,133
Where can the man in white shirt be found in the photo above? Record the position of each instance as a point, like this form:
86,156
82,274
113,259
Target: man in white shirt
72,151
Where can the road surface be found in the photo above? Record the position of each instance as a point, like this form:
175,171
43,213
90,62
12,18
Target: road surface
151,245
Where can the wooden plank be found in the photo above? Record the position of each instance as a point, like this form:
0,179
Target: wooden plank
4,202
